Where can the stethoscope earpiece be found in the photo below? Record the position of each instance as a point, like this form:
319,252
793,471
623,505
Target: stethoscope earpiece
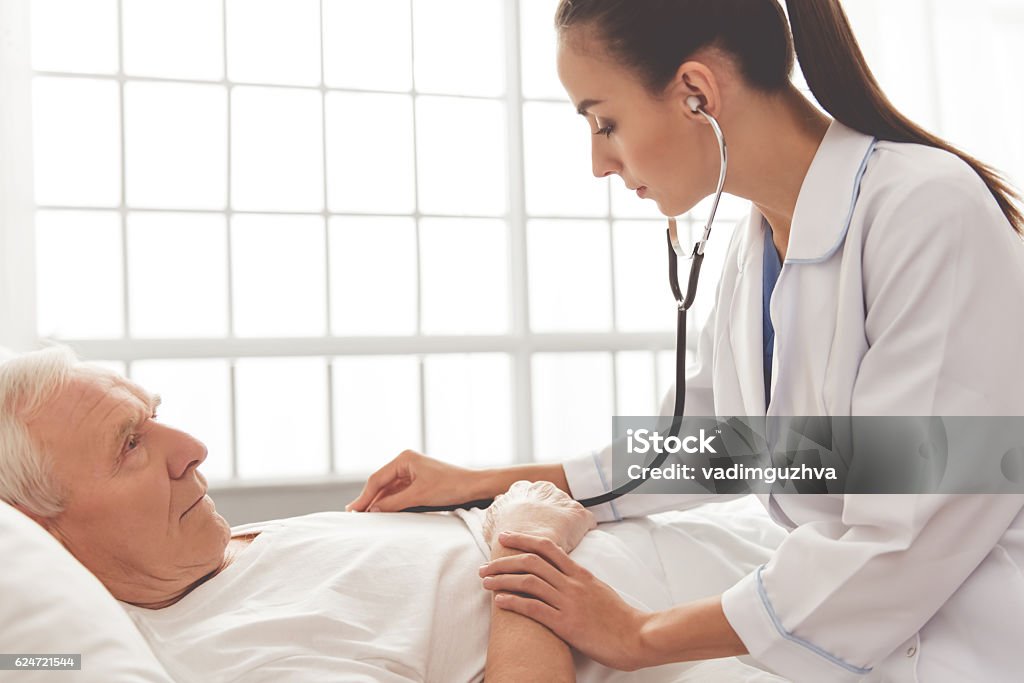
693,102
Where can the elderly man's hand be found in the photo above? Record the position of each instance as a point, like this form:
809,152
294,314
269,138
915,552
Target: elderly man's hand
538,508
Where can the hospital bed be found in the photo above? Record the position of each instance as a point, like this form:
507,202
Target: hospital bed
52,605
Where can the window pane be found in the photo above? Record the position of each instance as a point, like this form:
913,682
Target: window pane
635,383
539,41
176,145
177,272
282,417
570,276
195,399
276,150
460,47
643,298
462,159
572,404
76,142
274,41
373,275
464,276
559,176
79,286
79,36
469,408
376,410
278,276
370,153
367,44
173,38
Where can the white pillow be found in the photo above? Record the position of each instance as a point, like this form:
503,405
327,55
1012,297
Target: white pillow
53,605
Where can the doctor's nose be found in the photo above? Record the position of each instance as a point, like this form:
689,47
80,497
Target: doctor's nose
603,164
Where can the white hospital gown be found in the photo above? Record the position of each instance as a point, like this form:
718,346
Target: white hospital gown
364,598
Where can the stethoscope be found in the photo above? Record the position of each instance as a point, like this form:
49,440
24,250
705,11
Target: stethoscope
683,303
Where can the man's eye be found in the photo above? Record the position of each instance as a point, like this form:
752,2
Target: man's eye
132,443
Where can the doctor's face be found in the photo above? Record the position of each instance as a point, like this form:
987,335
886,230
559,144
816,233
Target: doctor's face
136,511
647,141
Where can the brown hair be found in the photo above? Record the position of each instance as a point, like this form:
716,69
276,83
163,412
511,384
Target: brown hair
653,37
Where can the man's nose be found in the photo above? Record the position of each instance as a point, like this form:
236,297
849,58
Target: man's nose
186,452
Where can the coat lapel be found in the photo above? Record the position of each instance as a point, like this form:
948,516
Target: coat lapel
803,307
805,302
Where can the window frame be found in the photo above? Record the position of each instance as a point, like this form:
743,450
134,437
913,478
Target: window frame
17,240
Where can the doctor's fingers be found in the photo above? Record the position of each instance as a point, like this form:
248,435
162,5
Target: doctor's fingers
525,584
390,477
545,547
525,564
539,611
396,498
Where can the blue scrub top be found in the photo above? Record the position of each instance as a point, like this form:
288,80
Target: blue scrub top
771,267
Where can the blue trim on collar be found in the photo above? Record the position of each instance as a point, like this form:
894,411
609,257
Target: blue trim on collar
849,215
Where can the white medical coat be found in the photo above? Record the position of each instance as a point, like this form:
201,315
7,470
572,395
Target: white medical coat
902,293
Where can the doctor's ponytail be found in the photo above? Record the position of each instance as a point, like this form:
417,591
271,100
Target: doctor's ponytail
838,76
653,37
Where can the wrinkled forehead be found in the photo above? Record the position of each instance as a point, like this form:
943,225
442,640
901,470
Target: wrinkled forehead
89,396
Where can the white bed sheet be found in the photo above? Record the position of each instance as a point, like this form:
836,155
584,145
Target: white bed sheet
335,596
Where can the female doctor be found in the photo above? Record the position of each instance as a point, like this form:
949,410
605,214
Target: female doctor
900,293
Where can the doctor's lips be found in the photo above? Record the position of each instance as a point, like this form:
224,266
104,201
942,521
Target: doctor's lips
641,191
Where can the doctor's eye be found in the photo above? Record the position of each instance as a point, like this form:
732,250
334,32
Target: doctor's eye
606,131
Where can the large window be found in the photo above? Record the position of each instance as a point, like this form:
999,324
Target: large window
327,230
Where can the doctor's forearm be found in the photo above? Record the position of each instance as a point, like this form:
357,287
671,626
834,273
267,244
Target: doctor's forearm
696,630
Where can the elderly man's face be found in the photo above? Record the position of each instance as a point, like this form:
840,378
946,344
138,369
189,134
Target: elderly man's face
136,513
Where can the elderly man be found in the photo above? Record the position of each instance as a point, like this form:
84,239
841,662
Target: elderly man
333,596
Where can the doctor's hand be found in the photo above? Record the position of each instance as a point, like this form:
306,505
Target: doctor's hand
544,584
413,479
538,508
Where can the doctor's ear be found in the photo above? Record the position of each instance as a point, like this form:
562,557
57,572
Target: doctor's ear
696,88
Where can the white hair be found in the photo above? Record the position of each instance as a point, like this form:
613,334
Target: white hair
27,381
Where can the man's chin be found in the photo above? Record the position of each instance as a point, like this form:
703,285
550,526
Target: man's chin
208,519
